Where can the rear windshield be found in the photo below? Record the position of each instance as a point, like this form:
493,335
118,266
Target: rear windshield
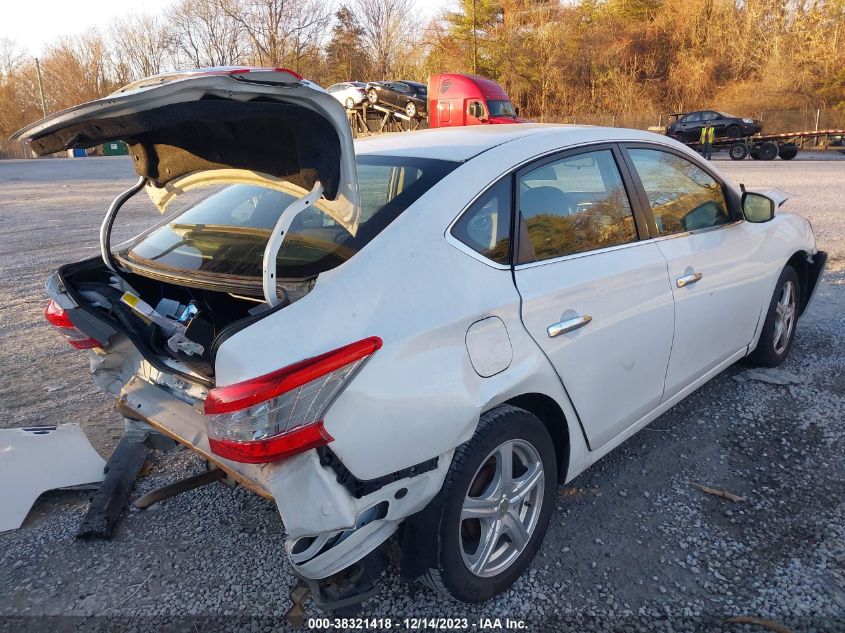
226,231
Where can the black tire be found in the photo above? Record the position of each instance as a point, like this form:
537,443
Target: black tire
738,151
768,151
768,352
754,154
451,576
372,96
788,151
733,131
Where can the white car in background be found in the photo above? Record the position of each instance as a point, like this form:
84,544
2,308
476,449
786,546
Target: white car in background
420,335
349,93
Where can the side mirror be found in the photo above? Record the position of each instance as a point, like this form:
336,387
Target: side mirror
757,208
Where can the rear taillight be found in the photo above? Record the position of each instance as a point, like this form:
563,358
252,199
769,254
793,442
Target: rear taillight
59,319
271,417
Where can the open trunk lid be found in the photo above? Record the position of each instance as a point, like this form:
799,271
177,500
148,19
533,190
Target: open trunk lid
268,121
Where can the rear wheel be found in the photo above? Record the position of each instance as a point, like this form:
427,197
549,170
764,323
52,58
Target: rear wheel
788,151
768,151
779,328
411,109
350,103
494,507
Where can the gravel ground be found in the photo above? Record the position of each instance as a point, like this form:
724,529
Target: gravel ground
632,546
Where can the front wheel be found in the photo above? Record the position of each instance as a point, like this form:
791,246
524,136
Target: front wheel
738,151
372,96
779,328
494,507
411,109
733,131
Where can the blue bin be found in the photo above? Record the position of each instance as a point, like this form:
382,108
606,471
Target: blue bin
79,152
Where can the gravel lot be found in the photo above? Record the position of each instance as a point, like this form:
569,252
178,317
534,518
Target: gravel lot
632,545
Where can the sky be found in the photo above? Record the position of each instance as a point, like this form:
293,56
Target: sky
33,23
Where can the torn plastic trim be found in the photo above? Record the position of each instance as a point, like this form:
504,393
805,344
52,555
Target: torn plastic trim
271,251
108,222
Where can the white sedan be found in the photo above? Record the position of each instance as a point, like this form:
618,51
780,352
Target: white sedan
349,93
420,335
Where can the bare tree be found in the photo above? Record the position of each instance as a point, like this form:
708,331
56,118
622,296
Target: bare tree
11,56
205,35
280,32
142,46
388,27
77,69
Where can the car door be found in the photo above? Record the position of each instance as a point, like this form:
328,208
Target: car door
716,120
690,128
595,297
710,251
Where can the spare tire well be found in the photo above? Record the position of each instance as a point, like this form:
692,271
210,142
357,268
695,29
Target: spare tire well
551,415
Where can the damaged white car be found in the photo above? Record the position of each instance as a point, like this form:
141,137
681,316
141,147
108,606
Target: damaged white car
423,334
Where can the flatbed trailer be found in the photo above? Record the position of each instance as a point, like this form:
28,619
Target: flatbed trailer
786,145
366,118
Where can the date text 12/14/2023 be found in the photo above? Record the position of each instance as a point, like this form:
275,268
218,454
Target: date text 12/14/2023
418,624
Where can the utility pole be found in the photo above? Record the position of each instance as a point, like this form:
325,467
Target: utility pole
41,87
474,42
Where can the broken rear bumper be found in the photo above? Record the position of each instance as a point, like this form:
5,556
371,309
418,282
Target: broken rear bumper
328,528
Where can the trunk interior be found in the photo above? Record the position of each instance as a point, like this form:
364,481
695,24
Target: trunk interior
188,325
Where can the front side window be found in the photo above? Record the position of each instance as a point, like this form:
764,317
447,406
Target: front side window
572,205
485,226
683,197
223,230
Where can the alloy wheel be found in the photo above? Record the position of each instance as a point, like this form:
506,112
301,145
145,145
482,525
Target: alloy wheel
785,312
411,110
502,508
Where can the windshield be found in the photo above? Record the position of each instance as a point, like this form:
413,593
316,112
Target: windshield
225,233
501,108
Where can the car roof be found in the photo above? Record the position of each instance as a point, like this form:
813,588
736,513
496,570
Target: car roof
462,143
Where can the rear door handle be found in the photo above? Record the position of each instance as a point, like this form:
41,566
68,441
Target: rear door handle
688,280
570,325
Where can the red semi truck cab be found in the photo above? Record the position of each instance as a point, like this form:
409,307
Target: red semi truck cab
455,99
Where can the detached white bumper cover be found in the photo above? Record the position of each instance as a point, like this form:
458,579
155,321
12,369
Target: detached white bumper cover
37,459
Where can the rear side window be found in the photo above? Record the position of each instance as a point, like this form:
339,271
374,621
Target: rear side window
683,197
572,205
485,226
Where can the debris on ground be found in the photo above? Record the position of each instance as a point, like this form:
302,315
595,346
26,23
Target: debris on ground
716,492
770,375
122,470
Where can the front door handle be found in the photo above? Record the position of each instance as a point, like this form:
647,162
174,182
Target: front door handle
688,280
556,329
